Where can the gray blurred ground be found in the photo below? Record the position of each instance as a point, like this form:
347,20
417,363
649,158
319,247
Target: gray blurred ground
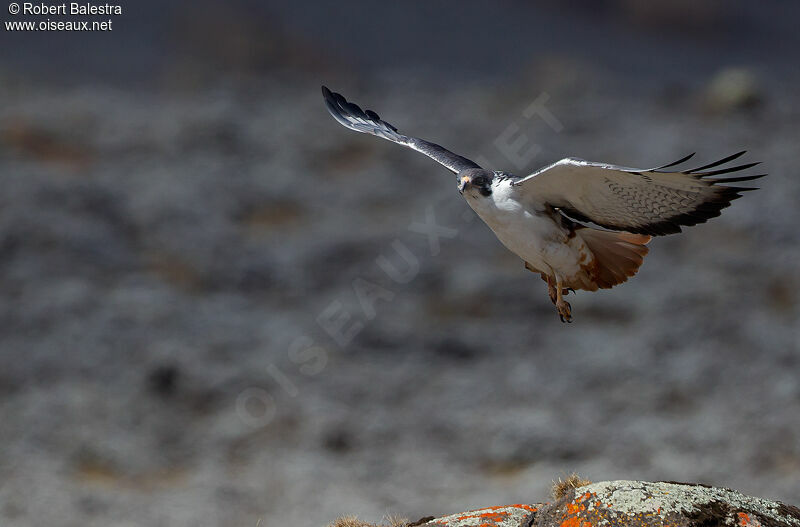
168,244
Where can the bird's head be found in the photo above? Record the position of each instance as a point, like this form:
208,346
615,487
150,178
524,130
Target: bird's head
475,182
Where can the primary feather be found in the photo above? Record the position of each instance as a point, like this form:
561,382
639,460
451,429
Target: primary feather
368,122
643,201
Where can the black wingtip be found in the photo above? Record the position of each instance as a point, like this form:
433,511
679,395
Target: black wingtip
725,170
674,163
340,100
733,179
717,163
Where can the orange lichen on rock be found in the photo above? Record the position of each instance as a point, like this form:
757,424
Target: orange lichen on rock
573,521
745,521
491,516
572,516
498,516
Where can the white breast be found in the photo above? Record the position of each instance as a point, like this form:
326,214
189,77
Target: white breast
532,235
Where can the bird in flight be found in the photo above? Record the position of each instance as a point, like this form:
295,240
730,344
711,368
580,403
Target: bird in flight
578,224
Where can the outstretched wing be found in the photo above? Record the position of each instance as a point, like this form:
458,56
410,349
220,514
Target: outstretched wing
644,201
369,122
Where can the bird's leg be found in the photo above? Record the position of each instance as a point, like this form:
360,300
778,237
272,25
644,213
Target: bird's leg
563,307
557,292
551,289
551,285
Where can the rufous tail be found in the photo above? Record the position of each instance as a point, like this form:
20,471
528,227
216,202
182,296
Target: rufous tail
618,255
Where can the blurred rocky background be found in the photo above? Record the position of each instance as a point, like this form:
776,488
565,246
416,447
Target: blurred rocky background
185,232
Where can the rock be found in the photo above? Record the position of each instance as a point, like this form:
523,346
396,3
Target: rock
635,503
504,516
632,504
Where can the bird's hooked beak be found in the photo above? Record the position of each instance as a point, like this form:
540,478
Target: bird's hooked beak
463,184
